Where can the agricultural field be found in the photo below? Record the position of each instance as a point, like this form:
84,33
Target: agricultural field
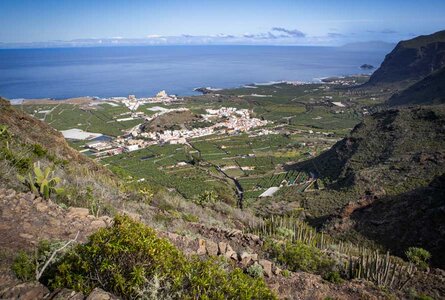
256,162
100,118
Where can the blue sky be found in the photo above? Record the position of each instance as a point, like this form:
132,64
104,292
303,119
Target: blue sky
74,22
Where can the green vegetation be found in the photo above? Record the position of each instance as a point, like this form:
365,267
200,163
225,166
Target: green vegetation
255,270
418,256
24,266
128,256
299,257
100,118
206,198
42,183
297,246
28,267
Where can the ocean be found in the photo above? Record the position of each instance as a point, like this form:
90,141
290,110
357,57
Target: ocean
143,71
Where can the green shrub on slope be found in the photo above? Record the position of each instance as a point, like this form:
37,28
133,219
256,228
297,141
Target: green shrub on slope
128,258
299,257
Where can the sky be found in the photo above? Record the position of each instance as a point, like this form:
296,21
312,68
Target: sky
118,22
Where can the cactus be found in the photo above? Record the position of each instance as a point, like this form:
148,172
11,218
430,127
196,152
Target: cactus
361,262
42,183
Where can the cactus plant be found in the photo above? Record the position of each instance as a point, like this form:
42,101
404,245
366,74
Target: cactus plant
42,183
357,262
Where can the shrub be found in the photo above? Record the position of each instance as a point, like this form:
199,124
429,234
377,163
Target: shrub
298,256
129,260
209,281
121,258
333,277
255,270
285,232
418,256
206,197
285,273
24,267
38,150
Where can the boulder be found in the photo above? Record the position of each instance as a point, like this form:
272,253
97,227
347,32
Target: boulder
96,224
276,270
212,248
246,259
25,291
201,247
66,294
254,256
267,267
230,253
222,247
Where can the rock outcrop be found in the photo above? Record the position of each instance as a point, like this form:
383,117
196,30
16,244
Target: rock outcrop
28,219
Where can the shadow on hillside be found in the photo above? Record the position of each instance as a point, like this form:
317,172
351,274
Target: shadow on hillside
330,165
415,218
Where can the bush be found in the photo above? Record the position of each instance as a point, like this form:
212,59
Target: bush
333,277
24,267
255,270
298,256
206,198
285,273
129,260
418,256
39,150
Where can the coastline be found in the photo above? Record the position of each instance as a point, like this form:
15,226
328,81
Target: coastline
199,90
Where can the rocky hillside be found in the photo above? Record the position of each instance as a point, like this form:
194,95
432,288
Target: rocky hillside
388,179
411,60
430,90
390,152
413,218
26,141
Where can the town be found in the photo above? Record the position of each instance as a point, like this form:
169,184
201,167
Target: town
225,120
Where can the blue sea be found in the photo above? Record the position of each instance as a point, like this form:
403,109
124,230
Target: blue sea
143,71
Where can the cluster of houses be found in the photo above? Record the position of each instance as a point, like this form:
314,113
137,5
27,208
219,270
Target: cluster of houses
231,121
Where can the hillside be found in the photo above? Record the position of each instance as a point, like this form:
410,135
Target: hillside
183,231
430,90
411,60
413,218
390,152
179,229
384,182
25,141
174,120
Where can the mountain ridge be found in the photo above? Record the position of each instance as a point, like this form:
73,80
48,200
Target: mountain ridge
411,60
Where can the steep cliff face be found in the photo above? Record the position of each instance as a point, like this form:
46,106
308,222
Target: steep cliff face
411,60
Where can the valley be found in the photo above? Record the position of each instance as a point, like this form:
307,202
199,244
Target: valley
252,137
285,190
